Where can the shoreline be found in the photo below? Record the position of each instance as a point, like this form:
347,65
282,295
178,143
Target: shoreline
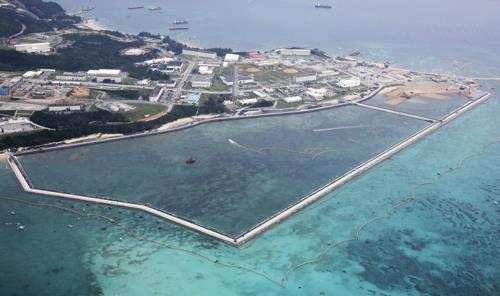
90,138
91,24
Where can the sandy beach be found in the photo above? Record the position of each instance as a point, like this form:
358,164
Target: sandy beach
91,24
185,121
91,137
177,123
430,90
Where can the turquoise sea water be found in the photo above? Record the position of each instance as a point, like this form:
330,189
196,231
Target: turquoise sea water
245,170
444,240
421,106
430,228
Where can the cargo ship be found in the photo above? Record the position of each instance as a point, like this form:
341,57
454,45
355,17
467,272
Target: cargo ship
135,7
178,28
319,5
180,22
155,8
88,8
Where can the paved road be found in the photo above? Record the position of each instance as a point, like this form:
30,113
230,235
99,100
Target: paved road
23,28
394,112
182,81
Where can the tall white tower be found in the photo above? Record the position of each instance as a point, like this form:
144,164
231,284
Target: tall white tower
236,86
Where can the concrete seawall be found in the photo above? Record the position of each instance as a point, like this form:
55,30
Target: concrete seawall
276,218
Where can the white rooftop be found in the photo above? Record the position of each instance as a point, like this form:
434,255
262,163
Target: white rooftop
104,72
231,57
293,99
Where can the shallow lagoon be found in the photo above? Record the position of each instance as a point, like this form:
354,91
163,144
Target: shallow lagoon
422,106
246,170
445,241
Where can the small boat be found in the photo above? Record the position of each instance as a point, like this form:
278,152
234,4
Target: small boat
319,5
190,160
135,7
155,8
180,22
87,9
178,28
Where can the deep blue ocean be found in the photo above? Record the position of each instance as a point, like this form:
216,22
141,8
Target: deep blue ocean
425,222
452,36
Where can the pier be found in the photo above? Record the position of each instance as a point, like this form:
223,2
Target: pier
276,218
394,112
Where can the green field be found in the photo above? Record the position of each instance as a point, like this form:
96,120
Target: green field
142,109
128,94
275,75
282,104
218,85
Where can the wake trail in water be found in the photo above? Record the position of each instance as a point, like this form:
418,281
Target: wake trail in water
312,152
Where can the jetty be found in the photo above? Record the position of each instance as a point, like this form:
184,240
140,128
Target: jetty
394,112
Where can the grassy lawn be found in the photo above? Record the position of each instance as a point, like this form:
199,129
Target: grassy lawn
142,109
218,85
270,76
282,104
128,94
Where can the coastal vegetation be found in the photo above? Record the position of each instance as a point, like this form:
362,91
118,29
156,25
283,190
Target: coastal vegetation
87,51
44,17
177,47
11,23
263,103
44,9
172,45
149,35
67,126
142,111
128,94
212,103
